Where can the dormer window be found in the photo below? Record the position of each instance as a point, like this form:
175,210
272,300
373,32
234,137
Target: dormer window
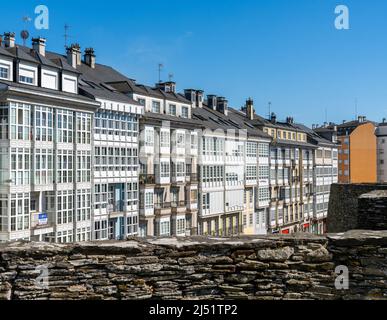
141,101
4,72
172,109
184,112
155,107
25,79
26,76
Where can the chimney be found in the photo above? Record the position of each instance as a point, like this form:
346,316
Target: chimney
9,39
39,45
199,98
289,120
222,105
212,101
90,57
74,55
250,109
190,95
1,40
169,86
273,118
344,121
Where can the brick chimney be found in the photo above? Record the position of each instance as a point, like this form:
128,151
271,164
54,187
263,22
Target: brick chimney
74,55
190,94
222,105
289,120
273,118
250,109
9,39
39,45
199,98
90,57
212,101
168,86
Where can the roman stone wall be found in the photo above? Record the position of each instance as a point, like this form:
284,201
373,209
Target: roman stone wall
300,266
344,206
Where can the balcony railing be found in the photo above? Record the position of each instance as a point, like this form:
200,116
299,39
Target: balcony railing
164,205
194,177
147,179
178,204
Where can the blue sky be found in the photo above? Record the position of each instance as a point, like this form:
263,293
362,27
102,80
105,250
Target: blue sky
286,52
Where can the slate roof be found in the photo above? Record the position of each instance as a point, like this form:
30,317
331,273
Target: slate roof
44,90
344,128
213,119
21,53
314,135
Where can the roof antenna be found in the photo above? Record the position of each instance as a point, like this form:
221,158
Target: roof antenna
66,34
161,66
170,77
356,114
24,33
269,109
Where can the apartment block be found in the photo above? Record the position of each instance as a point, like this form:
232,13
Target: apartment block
381,136
46,147
325,173
357,151
69,147
87,153
230,172
168,159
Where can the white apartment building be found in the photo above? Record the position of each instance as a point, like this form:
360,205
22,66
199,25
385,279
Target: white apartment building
116,148
231,156
325,173
290,174
88,154
69,147
381,136
45,147
168,159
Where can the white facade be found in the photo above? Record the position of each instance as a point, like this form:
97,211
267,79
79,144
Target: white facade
325,174
381,136
46,172
168,163
116,189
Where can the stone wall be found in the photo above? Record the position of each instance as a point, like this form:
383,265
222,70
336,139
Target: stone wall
372,212
343,213
300,266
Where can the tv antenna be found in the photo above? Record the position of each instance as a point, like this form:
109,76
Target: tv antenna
161,66
269,109
356,113
170,77
24,33
66,34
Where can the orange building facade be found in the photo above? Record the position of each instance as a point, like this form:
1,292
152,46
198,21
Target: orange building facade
357,153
